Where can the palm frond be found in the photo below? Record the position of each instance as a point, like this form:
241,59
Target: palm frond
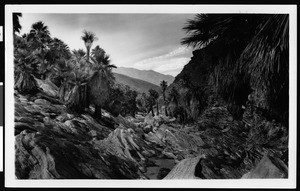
205,28
88,36
267,53
16,22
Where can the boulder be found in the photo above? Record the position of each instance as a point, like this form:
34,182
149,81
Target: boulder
148,129
267,169
149,120
185,169
41,102
93,133
48,87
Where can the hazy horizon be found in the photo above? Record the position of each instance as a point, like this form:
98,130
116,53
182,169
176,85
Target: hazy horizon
141,41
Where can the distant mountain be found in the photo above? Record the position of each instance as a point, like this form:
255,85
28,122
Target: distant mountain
146,75
136,84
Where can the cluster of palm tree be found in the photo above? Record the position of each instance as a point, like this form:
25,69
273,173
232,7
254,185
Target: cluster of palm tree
173,100
250,55
128,100
37,55
153,99
80,75
91,78
147,101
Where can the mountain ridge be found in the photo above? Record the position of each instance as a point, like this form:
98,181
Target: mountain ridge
145,75
136,84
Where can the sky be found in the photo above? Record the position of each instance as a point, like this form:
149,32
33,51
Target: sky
141,41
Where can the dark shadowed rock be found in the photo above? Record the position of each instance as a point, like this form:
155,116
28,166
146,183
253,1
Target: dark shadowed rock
163,172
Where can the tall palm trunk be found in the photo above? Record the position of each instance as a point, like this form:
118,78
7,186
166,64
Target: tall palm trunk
152,111
166,111
157,107
164,96
87,54
88,45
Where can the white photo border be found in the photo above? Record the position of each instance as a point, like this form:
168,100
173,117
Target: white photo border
10,178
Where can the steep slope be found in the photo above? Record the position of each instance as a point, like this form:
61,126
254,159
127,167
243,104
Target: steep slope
139,85
146,75
192,83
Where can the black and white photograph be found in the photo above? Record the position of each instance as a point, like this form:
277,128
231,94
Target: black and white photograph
146,93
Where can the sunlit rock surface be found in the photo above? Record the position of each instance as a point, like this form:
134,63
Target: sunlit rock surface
184,170
268,169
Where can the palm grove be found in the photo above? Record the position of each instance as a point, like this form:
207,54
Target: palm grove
250,63
83,77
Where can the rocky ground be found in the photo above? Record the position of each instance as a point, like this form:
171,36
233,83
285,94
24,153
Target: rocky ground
51,143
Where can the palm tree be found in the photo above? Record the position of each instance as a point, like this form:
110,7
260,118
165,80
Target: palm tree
99,90
88,38
100,57
39,37
98,52
174,95
149,102
154,95
102,62
83,69
77,58
61,49
164,85
25,63
78,54
16,23
56,57
74,90
144,107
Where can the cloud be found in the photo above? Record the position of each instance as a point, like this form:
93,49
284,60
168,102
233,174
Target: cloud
171,66
177,52
170,63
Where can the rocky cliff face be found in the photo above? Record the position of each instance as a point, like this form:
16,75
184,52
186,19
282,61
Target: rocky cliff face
192,83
